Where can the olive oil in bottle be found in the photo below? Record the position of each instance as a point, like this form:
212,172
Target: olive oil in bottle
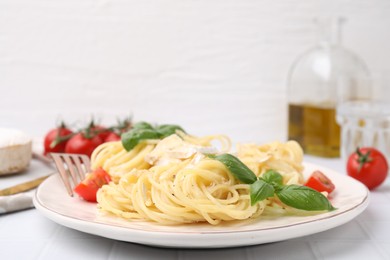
315,128
319,81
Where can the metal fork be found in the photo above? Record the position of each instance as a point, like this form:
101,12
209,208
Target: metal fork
72,168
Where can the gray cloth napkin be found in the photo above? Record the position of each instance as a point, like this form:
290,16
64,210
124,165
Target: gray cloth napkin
16,202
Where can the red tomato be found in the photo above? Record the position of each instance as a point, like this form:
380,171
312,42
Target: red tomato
369,166
56,139
319,182
101,131
112,137
80,144
125,125
88,188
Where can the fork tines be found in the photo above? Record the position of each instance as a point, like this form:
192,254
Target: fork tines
72,168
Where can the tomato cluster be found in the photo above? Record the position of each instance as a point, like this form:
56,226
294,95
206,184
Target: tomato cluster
62,139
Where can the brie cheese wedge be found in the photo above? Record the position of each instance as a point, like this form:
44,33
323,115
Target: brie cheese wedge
15,151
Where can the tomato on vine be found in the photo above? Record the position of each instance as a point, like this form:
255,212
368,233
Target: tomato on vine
99,130
55,140
83,143
112,137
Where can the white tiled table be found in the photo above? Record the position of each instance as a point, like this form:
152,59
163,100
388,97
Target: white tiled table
29,235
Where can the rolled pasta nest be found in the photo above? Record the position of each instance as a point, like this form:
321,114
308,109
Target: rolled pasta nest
172,181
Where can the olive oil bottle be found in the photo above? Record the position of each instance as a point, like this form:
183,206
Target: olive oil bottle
319,80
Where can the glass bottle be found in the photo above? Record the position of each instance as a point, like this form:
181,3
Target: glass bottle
320,79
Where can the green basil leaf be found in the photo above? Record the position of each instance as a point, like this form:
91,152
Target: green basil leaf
305,198
273,177
210,155
143,131
135,136
167,130
260,190
142,125
236,167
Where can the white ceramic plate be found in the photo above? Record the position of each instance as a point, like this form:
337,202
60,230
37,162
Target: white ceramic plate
350,198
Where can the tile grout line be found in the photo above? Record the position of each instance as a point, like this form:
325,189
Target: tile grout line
179,254
50,241
314,249
248,253
372,239
113,248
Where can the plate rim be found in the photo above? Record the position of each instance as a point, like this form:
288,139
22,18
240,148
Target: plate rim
205,239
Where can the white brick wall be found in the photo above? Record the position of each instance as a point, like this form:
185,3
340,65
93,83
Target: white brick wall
211,66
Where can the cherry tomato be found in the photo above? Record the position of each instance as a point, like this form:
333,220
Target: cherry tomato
125,125
83,144
112,137
88,188
320,182
101,131
56,139
369,166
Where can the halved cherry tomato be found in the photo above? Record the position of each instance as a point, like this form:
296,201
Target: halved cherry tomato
88,188
319,182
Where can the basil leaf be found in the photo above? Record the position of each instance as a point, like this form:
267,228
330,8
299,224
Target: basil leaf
135,136
142,125
273,177
236,167
167,130
210,155
260,190
302,197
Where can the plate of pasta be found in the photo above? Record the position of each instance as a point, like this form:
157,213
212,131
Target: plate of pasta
181,191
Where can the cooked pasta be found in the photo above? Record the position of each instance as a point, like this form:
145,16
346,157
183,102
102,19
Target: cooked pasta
207,140
190,191
286,158
174,182
115,160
